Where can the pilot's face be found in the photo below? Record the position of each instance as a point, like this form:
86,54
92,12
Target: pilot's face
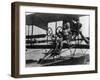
68,24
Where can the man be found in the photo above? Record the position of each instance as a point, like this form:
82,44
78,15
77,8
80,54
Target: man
66,32
76,25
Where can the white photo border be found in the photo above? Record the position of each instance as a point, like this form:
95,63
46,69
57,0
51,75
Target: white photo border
54,69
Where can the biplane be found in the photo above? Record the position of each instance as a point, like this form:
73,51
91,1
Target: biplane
59,36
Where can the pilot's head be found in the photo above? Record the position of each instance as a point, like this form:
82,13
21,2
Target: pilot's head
66,25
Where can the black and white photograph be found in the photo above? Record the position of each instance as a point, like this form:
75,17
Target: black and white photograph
53,39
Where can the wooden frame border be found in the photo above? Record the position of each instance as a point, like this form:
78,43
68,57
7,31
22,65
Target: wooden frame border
15,38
